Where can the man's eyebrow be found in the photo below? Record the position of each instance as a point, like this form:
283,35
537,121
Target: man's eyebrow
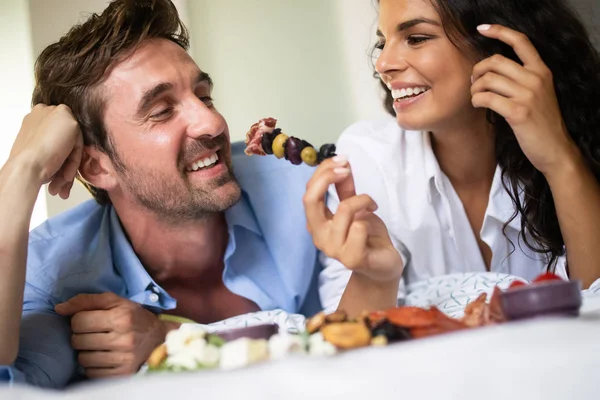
410,23
203,77
151,94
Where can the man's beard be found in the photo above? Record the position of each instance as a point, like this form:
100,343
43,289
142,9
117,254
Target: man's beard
177,200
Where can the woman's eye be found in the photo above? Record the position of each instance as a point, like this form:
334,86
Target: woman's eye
413,40
380,45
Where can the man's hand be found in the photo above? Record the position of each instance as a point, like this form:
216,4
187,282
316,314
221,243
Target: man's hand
114,336
50,143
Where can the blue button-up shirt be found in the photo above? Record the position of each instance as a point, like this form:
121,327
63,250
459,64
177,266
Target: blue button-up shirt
270,259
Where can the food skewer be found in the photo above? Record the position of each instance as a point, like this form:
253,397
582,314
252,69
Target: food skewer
264,138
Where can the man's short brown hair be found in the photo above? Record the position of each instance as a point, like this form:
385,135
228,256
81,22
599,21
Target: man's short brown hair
70,71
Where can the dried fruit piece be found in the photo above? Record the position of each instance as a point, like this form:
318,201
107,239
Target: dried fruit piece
445,322
315,323
411,317
158,356
279,145
475,311
338,316
309,156
376,317
496,311
379,341
347,335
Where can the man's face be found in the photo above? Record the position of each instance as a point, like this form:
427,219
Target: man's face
172,145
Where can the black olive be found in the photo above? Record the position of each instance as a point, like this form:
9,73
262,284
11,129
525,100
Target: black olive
326,151
267,140
293,148
392,332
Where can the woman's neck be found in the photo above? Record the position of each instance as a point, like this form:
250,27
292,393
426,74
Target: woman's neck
466,153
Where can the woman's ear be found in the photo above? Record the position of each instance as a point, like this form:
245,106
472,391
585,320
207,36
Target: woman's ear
97,169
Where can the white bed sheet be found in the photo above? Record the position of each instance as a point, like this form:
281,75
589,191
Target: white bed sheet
543,359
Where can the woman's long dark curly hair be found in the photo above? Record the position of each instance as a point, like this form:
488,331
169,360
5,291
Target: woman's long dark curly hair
565,47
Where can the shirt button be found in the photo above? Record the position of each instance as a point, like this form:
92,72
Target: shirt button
155,289
153,297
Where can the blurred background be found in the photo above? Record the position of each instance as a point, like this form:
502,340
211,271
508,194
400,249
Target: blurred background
304,62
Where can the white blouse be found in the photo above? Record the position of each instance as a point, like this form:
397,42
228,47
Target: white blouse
424,215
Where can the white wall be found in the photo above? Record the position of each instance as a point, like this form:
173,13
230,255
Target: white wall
357,21
16,81
274,58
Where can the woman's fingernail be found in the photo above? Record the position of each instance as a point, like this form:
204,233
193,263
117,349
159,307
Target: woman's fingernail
341,171
484,27
471,79
340,159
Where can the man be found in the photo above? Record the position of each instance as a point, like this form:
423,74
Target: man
121,103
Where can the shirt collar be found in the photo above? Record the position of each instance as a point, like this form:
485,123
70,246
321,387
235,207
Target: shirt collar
500,205
137,280
433,173
240,214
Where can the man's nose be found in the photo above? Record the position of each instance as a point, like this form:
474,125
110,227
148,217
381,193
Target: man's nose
203,120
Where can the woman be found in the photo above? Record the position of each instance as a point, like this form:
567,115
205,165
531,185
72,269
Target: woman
492,163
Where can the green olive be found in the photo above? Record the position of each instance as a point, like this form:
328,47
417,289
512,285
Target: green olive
309,155
279,145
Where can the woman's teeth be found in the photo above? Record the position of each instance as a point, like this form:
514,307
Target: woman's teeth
205,162
399,94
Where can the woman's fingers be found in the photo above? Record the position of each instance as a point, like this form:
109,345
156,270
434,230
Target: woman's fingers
503,66
355,249
500,104
317,213
345,215
520,43
501,85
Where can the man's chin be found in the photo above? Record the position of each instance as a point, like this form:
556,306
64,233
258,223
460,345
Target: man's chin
227,194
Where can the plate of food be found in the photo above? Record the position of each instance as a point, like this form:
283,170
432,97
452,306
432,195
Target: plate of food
192,347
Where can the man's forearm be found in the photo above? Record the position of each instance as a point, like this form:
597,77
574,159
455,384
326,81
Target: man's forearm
363,295
18,193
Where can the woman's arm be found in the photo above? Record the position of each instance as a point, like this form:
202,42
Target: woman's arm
525,96
355,236
576,194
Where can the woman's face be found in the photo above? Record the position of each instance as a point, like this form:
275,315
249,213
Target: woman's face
429,77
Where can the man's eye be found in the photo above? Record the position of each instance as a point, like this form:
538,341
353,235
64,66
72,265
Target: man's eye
207,100
161,114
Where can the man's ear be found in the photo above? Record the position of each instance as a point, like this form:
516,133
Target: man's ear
97,169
